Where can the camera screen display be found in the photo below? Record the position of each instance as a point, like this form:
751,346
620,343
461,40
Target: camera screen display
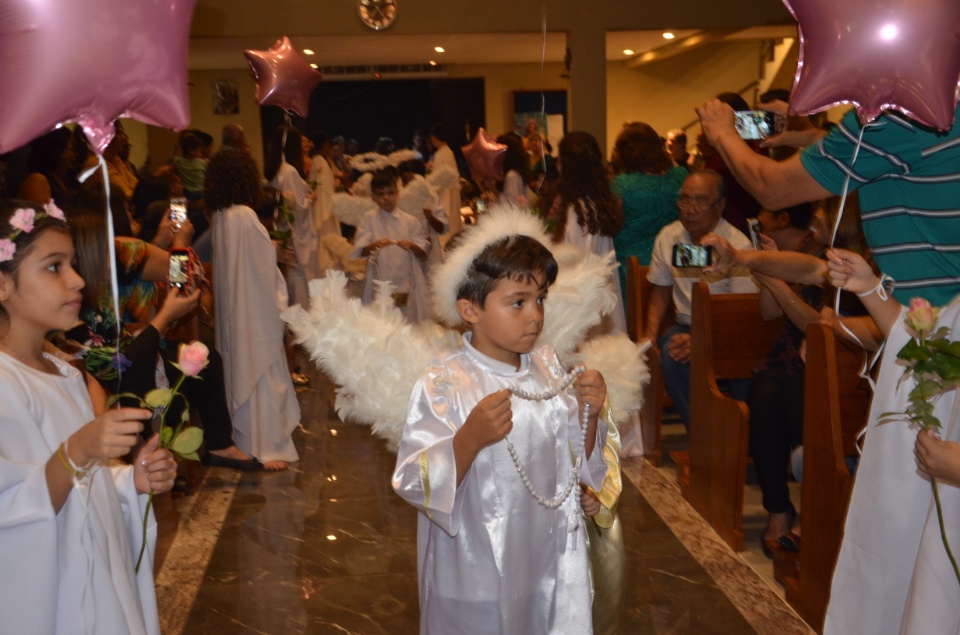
757,124
179,269
691,256
178,212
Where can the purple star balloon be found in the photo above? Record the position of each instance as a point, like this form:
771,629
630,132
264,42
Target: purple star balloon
283,77
879,54
485,157
91,61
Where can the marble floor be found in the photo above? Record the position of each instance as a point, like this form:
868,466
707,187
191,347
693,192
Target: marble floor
327,547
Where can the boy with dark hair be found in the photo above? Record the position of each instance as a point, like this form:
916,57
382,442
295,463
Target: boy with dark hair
191,167
499,542
394,242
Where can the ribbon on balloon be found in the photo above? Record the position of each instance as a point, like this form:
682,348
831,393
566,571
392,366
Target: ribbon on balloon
878,54
484,157
52,73
283,77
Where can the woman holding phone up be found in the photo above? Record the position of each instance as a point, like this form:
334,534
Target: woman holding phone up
143,350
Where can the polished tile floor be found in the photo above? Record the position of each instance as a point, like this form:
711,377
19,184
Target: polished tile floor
327,547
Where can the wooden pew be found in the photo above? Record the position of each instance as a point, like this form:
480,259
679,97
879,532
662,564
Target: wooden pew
836,405
728,339
654,395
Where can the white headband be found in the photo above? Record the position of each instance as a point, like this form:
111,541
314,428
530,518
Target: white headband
501,221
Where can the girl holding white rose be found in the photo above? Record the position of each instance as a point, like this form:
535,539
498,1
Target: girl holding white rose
893,557
70,521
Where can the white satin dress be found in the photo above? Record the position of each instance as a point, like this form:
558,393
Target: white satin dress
491,559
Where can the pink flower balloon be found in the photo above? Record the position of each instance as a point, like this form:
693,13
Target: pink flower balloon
91,61
879,54
283,77
485,157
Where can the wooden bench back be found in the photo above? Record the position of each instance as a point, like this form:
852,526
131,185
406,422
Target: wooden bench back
836,406
728,340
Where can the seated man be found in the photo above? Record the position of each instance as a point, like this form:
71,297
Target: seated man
701,203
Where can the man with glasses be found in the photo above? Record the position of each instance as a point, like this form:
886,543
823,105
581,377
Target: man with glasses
701,202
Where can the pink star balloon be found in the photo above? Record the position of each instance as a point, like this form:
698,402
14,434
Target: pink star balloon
91,61
283,77
879,54
485,157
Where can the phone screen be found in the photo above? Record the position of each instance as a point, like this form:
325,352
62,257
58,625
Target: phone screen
178,274
757,124
685,255
178,212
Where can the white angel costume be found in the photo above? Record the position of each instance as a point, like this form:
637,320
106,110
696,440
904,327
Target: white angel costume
893,574
491,559
614,322
69,571
249,294
324,222
399,267
443,159
415,197
296,192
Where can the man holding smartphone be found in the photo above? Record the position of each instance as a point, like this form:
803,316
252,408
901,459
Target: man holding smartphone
701,203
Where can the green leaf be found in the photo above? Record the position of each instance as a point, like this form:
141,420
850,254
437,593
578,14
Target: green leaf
112,399
928,422
159,397
924,389
185,416
165,433
188,441
912,351
946,367
193,456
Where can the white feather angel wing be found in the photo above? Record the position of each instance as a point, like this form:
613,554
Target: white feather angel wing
623,366
443,179
415,196
371,352
578,299
351,209
361,187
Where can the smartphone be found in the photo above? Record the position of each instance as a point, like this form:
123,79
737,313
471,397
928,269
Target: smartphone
179,272
685,255
755,230
758,124
178,212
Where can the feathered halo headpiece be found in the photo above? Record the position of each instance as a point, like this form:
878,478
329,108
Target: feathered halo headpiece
500,222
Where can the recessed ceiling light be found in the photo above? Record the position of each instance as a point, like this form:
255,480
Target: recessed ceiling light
308,51
628,51
313,66
432,63
331,537
439,49
668,35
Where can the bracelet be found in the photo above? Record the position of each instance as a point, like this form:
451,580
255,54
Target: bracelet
883,288
784,307
68,464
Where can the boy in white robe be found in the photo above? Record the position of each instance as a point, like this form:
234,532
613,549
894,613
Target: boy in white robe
395,243
492,558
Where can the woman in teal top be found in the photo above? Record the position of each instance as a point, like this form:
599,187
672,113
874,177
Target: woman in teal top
647,183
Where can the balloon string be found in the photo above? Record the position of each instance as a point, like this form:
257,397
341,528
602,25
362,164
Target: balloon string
111,255
868,362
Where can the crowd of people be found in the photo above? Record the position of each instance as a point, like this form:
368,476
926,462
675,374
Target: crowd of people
254,238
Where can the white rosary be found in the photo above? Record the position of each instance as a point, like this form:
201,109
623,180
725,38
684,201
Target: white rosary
574,480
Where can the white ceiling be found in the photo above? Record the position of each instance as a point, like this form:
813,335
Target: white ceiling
381,48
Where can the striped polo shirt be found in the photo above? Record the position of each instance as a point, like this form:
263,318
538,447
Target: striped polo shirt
908,180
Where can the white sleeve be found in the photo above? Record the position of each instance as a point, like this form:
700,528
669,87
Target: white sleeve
24,495
364,235
426,472
660,273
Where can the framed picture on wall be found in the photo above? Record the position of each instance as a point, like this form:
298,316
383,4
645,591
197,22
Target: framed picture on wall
226,97
540,113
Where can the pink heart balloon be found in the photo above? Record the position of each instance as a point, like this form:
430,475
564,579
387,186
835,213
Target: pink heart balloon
284,78
485,157
91,61
879,54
